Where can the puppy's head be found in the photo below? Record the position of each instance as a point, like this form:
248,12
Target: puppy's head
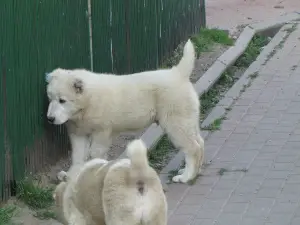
64,91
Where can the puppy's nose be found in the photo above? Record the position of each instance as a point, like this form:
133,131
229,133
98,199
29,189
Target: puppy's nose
51,119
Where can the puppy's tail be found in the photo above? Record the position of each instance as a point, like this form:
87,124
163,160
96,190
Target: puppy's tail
139,169
186,64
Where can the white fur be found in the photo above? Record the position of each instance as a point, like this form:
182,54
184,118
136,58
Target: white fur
97,107
109,192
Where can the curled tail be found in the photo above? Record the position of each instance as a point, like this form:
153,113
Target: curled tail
139,169
186,64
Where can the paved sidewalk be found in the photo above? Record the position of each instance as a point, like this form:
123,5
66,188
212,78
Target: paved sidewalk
219,12
261,135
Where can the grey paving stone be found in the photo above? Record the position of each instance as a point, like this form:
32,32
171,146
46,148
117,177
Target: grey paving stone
277,174
286,166
200,189
193,199
187,209
228,218
284,208
252,221
295,221
280,219
238,208
220,194
216,204
226,184
203,222
180,220
260,207
207,213
273,183
268,193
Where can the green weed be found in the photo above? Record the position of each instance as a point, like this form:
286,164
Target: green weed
35,196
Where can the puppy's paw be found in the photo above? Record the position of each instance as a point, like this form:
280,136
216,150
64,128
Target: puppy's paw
62,176
180,179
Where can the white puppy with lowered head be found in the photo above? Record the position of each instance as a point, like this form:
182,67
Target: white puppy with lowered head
97,107
126,191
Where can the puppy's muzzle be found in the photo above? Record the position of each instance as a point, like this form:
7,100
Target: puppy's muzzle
51,119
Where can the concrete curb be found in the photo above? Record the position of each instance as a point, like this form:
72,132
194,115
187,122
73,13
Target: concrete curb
154,133
245,79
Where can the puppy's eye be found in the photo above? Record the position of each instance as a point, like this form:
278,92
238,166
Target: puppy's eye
62,101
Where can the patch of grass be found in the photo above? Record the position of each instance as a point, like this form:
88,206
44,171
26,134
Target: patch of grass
215,125
160,154
203,42
252,51
6,213
207,37
35,196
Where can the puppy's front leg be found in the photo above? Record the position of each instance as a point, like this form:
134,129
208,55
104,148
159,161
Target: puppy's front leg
79,151
101,141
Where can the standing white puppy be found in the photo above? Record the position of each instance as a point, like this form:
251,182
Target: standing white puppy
96,107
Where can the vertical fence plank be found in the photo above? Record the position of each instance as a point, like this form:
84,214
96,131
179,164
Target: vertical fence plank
143,34
118,35
2,106
102,35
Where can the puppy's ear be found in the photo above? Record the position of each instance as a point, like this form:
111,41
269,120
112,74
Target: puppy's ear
78,86
49,77
55,73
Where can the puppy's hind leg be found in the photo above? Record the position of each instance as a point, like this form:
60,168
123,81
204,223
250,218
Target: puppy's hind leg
201,143
185,135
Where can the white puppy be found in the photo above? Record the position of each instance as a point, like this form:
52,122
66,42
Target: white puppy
126,191
96,107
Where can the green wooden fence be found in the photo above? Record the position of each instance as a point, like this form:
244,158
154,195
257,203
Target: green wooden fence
38,36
